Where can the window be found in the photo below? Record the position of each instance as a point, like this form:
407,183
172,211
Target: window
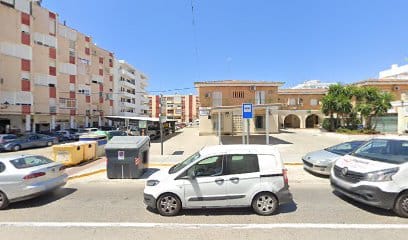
291,101
25,65
217,99
67,103
242,163
238,94
2,167
184,163
259,121
260,97
384,150
32,161
25,38
313,102
211,166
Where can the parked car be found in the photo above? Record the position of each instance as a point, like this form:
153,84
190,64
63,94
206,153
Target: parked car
24,177
114,133
28,141
7,137
321,161
375,174
221,176
67,133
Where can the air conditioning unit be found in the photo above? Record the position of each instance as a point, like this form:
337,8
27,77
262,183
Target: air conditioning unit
396,88
207,95
252,88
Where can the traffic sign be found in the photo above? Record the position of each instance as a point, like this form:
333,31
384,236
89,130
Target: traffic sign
247,110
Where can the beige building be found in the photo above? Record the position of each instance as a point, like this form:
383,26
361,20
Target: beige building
51,76
273,108
183,108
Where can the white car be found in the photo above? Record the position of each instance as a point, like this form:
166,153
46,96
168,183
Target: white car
221,176
375,174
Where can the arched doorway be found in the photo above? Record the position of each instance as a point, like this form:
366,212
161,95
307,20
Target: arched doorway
312,121
291,121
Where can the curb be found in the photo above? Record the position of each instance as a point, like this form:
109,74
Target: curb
86,174
152,165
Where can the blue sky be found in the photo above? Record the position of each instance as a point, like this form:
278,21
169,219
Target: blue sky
267,40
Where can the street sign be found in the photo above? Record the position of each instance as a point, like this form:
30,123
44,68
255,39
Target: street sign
246,110
163,119
142,124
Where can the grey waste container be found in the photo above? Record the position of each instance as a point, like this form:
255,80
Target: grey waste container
127,156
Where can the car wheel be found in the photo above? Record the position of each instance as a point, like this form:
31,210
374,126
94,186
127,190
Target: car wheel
168,205
401,205
16,148
4,202
265,203
49,144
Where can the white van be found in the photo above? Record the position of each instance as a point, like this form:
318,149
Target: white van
375,174
221,176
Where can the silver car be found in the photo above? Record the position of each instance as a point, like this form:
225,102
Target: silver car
322,161
26,176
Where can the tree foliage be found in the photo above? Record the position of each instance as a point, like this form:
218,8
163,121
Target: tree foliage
349,102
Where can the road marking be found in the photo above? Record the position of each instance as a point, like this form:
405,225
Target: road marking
199,226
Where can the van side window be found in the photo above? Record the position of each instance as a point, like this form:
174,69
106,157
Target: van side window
212,166
2,167
242,163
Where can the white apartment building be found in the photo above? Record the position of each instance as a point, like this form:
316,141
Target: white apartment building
129,93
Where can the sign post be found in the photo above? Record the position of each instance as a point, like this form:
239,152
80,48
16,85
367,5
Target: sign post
247,113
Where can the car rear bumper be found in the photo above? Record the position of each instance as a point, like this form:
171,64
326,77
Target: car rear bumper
369,195
36,189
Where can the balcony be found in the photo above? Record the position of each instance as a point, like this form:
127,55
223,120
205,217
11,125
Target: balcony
127,74
127,84
128,114
127,95
127,104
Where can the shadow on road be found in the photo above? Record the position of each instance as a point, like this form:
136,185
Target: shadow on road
254,139
45,199
283,209
368,208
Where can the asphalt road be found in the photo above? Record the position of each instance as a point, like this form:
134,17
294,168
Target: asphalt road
102,209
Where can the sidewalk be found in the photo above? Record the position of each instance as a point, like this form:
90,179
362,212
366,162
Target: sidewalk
176,148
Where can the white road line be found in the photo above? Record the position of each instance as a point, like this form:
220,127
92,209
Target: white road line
199,226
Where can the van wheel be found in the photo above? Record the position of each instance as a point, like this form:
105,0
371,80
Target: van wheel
401,205
265,203
3,201
168,204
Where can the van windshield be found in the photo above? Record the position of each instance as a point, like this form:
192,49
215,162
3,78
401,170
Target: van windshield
384,150
184,163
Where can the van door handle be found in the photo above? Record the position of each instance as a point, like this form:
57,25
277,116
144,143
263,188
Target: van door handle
234,179
219,180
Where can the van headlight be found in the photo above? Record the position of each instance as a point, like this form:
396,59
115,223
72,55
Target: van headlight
152,183
381,176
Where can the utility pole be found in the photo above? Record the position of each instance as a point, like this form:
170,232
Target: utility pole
161,124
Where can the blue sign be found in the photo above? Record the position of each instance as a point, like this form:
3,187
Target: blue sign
247,110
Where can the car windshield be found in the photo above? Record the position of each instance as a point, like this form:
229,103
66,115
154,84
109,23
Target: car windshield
384,150
184,163
30,161
344,148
